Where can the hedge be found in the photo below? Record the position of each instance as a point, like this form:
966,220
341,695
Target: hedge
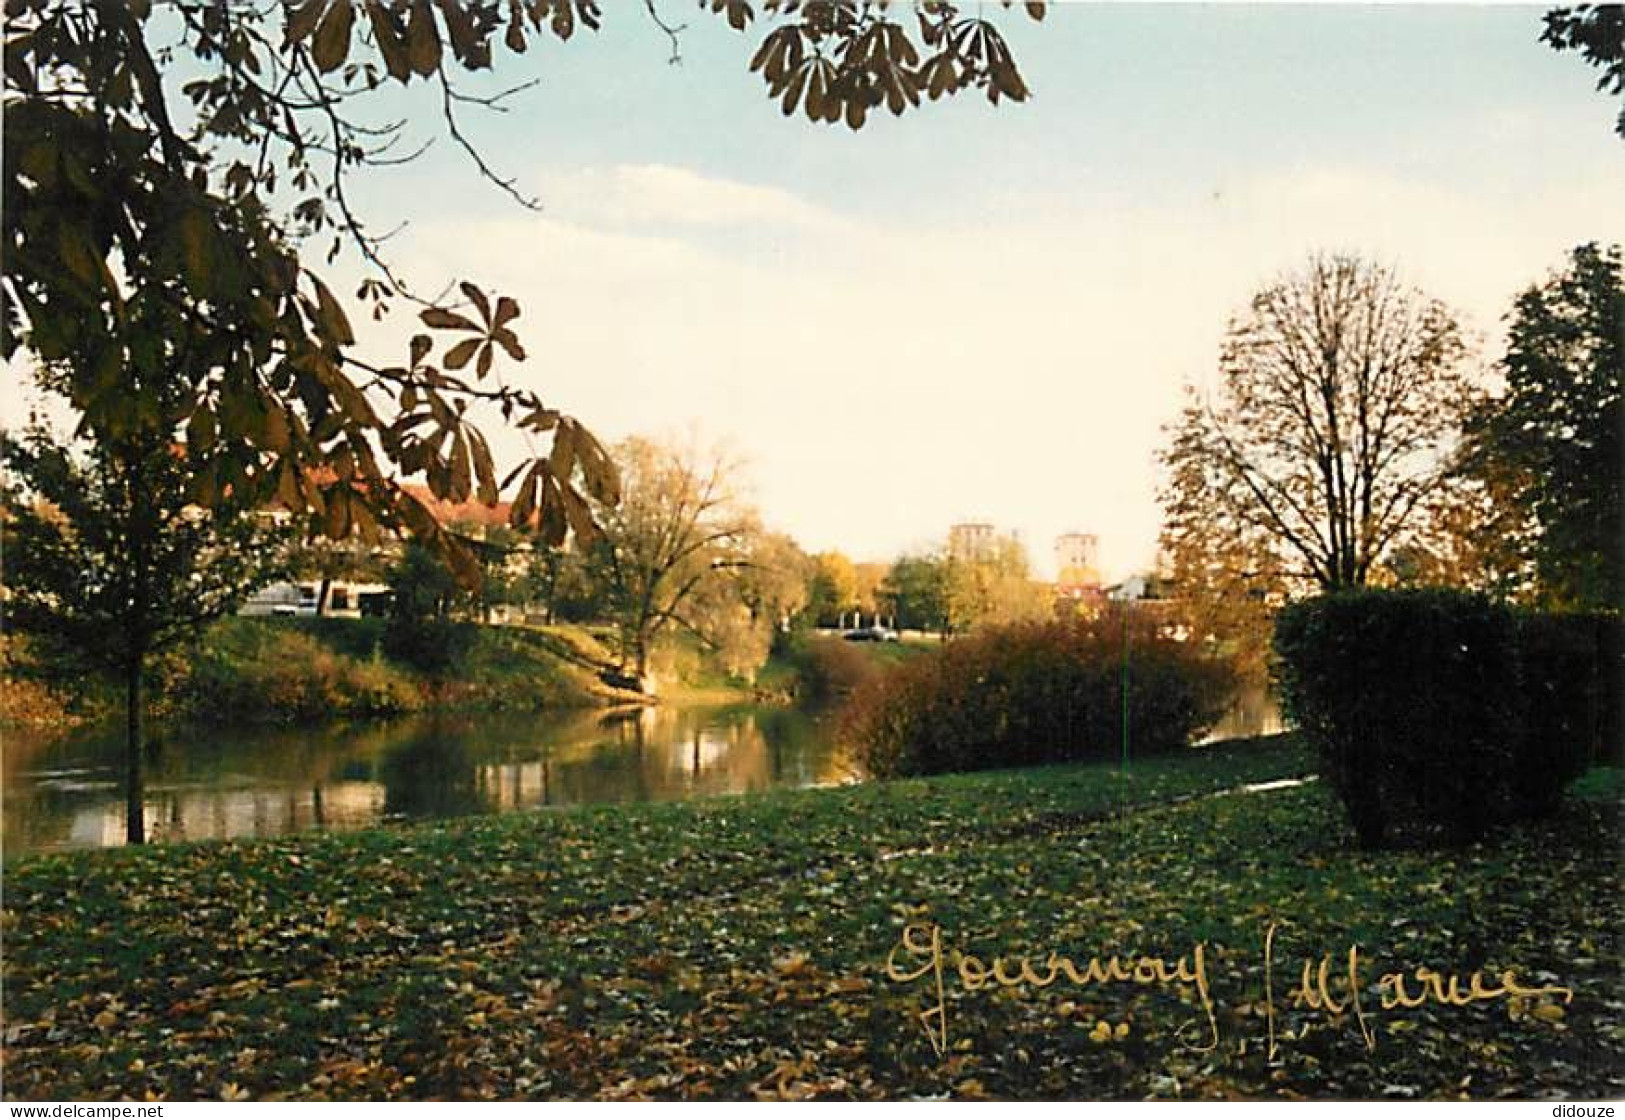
1442,714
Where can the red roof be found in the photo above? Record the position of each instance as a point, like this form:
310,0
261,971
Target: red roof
471,512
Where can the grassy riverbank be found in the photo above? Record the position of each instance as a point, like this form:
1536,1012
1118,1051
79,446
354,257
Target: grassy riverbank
300,670
735,947
307,670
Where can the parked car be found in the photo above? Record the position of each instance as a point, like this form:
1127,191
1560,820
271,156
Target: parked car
871,634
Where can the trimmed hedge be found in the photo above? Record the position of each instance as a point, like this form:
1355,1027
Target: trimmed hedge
1443,714
1034,693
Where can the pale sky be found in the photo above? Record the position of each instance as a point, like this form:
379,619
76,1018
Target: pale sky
977,313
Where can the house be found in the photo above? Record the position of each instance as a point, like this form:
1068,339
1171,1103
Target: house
345,599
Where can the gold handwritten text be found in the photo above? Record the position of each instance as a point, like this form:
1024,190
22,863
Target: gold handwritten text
927,959
1334,993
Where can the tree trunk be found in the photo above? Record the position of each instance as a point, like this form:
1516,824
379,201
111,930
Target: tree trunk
322,592
135,824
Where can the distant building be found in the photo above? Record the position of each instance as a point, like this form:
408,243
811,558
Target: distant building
1076,557
971,541
1077,578
1154,595
351,595
345,599
1146,588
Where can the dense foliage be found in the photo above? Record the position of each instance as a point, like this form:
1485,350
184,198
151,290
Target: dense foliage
273,671
288,671
827,670
1552,441
1034,693
109,563
1443,713
1597,31
422,631
1574,688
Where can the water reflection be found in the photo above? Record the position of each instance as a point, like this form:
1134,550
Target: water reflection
221,783
1255,710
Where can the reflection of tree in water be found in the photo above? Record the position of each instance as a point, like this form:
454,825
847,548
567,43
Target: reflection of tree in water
259,781
667,753
1254,710
798,748
431,774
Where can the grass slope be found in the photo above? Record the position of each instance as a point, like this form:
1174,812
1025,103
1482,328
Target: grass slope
736,948
283,670
299,670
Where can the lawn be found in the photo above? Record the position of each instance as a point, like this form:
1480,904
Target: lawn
737,947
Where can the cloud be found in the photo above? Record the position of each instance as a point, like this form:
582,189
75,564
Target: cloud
653,195
889,377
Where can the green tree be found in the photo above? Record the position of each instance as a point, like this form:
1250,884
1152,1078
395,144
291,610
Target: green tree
423,628
1336,421
1597,31
915,591
109,563
1552,440
562,581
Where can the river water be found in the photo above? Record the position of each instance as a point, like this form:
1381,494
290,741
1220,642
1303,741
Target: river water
219,783
216,783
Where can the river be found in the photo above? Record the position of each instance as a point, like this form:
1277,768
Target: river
219,783
211,783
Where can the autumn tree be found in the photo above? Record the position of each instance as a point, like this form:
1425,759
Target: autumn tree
1474,534
1340,399
671,553
993,589
773,581
109,564
141,224
159,237
868,575
1227,577
1550,446
832,588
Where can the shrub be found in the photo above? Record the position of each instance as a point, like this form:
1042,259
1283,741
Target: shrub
1574,686
1438,712
829,669
264,670
429,644
1032,693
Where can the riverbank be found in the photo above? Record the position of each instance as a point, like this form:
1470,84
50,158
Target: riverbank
309,670
736,947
